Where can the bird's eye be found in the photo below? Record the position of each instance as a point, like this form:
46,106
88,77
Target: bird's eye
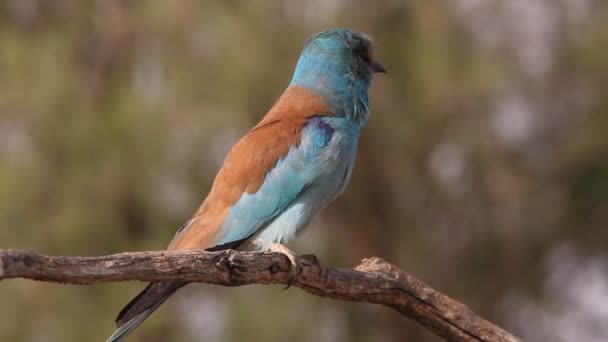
364,53
366,56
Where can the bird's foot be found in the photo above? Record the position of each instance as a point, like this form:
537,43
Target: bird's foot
293,259
312,260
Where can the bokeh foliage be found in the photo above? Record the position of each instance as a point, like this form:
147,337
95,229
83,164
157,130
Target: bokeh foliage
483,169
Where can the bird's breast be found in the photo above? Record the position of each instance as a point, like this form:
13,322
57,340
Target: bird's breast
324,158
336,158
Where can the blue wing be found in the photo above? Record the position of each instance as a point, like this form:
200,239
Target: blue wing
286,184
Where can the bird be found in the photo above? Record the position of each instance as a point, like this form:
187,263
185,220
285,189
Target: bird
293,163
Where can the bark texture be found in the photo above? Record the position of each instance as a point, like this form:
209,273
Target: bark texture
373,281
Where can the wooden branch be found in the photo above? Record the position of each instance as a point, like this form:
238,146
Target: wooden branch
374,281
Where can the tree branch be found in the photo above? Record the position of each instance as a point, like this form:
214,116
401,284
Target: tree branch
374,281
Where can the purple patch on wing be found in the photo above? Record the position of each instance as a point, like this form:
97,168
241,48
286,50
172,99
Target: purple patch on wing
323,131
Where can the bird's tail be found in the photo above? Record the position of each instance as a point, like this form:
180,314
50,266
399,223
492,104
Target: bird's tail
142,306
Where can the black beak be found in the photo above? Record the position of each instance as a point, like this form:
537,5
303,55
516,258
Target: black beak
377,66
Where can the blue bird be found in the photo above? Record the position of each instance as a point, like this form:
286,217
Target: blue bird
291,165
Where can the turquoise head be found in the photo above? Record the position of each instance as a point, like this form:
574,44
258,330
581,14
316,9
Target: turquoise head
338,64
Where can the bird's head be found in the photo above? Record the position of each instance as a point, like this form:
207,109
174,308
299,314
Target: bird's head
338,64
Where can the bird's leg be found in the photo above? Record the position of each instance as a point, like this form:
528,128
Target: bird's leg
293,259
282,249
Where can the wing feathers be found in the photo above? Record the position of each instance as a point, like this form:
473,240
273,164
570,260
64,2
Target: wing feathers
248,163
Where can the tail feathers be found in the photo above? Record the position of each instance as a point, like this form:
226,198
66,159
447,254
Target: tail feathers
142,306
121,333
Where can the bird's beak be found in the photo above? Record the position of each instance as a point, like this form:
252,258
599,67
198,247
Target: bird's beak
377,66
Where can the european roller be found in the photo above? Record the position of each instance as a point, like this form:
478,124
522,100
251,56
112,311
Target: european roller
291,165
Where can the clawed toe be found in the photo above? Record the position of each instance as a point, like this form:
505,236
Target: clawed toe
293,260
312,260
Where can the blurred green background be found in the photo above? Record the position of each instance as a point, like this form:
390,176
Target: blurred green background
483,169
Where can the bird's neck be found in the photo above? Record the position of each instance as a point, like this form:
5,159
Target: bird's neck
345,92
